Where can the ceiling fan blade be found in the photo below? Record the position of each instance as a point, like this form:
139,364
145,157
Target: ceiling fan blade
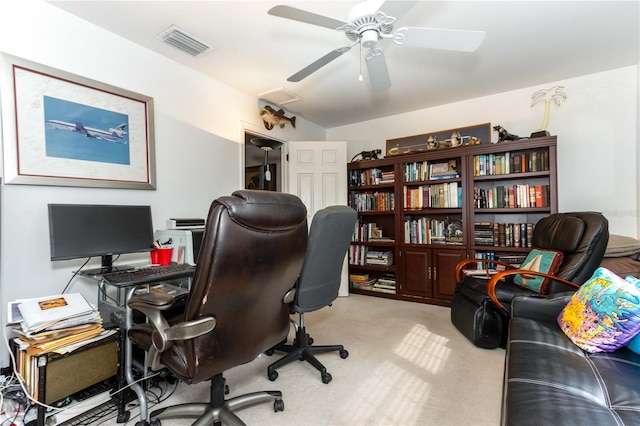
435,38
303,16
378,72
315,66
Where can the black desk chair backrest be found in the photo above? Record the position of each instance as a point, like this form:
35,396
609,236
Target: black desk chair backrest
329,238
251,255
319,283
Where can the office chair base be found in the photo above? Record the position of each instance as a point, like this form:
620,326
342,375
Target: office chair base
220,410
303,351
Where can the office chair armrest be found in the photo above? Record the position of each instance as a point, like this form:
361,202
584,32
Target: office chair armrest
163,338
152,305
190,329
491,286
460,266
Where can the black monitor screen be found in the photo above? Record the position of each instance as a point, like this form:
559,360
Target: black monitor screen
82,230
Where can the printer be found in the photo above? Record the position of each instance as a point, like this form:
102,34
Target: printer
185,242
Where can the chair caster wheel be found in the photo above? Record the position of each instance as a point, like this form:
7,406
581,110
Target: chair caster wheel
155,422
326,378
344,353
310,340
269,352
226,389
273,375
278,405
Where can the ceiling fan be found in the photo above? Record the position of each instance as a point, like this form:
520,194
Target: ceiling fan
370,21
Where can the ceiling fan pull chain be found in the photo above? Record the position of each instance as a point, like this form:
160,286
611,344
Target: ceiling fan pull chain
360,60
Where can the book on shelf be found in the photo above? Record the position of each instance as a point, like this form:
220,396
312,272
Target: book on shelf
383,258
358,277
384,290
453,232
379,284
443,170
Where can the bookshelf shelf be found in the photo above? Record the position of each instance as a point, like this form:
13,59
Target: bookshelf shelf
463,181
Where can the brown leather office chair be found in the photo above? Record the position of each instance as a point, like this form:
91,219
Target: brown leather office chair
481,312
251,255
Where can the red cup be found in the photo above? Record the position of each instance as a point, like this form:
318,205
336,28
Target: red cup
161,256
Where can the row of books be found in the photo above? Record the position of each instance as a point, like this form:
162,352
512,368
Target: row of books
511,162
442,195
425,230
513,259
362,255
419,171
369,231
373,176
372,201
503,234
52,324
515,196
384,284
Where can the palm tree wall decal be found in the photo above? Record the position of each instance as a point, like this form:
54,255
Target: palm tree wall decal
554,95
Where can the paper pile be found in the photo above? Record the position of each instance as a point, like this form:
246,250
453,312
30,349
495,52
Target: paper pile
59,324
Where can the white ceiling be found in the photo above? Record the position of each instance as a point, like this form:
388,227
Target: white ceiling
527,43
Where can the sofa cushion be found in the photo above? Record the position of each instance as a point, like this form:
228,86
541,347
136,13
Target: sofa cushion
549,380
539,260
604,314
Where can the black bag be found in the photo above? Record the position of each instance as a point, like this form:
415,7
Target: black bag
475,316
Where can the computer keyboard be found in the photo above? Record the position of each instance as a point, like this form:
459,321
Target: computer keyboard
149,274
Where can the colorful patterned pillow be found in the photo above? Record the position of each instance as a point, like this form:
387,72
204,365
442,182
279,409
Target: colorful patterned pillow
540,260
634,344
604,314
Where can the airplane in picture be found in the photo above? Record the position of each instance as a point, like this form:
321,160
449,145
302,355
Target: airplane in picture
112,135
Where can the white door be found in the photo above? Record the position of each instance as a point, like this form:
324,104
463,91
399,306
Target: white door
317,173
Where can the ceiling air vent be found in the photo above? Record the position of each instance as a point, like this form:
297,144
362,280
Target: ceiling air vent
183,41
279,96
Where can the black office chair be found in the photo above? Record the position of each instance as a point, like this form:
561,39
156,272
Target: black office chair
251,254
482,312
329,237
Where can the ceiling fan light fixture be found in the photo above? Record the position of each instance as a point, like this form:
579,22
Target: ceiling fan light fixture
183,41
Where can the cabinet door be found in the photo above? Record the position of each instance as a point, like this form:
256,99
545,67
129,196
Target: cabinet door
443,272
416,272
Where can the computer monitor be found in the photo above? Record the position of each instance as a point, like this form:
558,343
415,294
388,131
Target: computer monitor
84,230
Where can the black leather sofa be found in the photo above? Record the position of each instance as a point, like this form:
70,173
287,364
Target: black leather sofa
550,381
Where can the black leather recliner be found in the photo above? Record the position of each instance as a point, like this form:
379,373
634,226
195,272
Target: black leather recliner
581,236
238,307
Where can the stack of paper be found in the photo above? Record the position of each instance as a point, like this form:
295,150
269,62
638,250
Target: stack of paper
60,324
54,323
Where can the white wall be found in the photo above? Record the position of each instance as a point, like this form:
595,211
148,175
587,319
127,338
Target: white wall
199,125
597,129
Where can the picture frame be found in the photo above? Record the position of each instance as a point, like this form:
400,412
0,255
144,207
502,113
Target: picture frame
62,129
252,177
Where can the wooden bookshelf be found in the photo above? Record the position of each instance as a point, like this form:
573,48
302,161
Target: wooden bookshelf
422,209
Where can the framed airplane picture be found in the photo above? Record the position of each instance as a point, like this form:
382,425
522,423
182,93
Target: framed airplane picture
66,130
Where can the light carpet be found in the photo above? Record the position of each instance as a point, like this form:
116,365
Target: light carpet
407,365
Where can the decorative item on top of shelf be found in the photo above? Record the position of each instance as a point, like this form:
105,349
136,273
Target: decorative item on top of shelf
452,138
456,139
368,155
271,117
504,135
432,143
555,95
